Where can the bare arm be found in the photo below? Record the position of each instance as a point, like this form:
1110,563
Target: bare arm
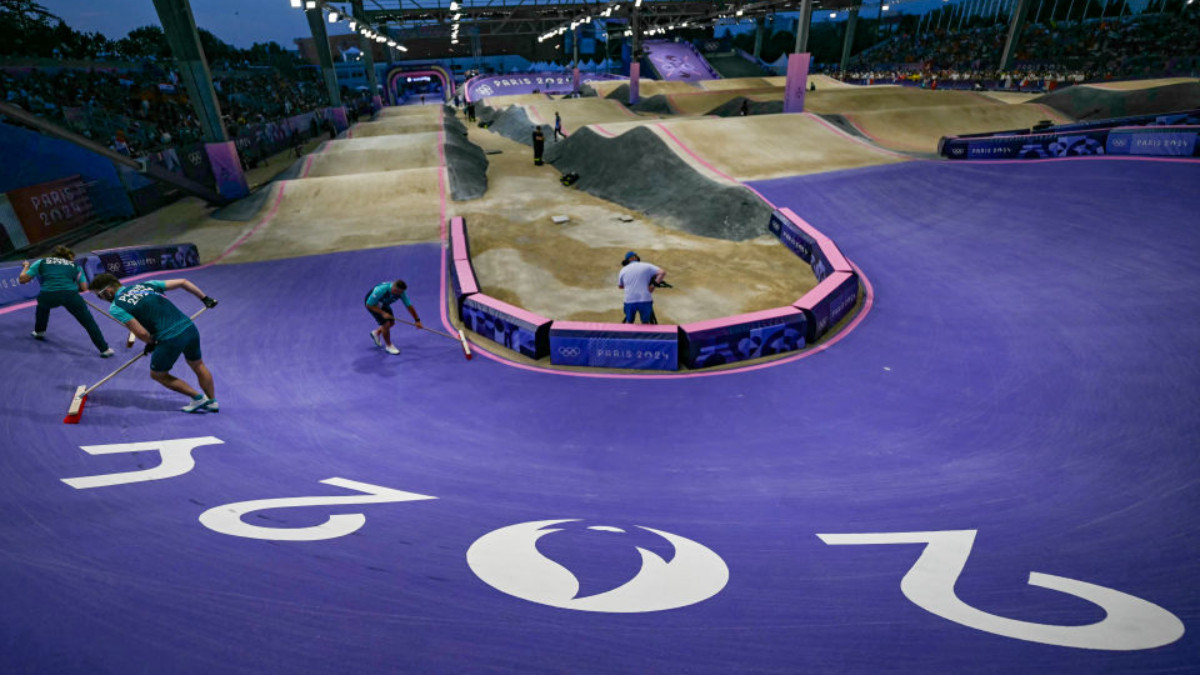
137,329
172,284
24,277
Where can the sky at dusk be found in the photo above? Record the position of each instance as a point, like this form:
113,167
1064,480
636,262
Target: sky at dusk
244,22
241,23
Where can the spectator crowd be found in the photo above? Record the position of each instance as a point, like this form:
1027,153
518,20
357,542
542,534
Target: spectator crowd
1049,55
137,111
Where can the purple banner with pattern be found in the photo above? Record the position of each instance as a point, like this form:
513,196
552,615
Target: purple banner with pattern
1172,143
713,343
227,170
801,243
678,61
126,262
828,303
11,290
797,83
508,326
530,83
597,345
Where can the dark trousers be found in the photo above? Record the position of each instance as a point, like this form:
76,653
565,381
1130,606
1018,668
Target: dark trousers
538,147
48,300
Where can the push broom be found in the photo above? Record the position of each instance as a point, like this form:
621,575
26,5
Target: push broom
130,340
461,339
81,392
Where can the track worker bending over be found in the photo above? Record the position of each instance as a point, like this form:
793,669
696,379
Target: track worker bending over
61,283
639,280
379,304
166,331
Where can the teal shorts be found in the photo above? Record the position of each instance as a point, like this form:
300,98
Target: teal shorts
167,352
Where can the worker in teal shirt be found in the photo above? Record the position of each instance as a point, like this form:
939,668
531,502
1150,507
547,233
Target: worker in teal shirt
167,332
379,304
61,283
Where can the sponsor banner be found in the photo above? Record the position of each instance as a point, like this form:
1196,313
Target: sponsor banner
828,303
13,291
797,83
193,161
227,170
1150,142
127,262
741,338
1039,146
50,209
801,243
599,345
508,326
530,83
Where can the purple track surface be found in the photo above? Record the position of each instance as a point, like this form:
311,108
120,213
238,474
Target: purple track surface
1036,380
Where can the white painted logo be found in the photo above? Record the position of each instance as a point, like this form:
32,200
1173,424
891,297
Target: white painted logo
508,560
1130,623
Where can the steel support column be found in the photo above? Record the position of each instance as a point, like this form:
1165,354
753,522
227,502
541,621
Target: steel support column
1015,26
848,43
316,24
180,28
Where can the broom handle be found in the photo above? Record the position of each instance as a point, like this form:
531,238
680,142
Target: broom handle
130,363
431,330
101,310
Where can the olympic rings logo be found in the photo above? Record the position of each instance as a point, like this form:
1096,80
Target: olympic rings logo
568,351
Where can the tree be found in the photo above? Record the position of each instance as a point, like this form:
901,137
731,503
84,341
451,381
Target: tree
146,42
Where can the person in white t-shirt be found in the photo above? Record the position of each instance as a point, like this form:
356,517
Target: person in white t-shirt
639,280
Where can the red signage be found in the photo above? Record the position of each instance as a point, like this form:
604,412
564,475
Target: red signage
50,209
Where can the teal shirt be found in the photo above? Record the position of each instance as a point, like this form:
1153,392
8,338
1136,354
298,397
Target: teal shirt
56,274
145,302
381,295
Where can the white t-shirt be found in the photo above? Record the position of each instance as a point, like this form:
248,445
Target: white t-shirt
635,278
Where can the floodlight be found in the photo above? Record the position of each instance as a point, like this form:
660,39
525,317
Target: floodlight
333,17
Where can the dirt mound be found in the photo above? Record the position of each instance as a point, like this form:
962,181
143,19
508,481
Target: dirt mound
639,171
1094,103
466,163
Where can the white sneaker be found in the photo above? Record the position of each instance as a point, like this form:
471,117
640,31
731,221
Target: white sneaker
196,404
375,337
106,353
391,349
38,336
212,406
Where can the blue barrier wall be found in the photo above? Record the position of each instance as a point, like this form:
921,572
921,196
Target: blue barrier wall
31,158
1152,140
12,291
744,337
506,325
828,303
602,345
127,262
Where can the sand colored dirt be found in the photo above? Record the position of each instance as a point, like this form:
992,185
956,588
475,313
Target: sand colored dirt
1010,96
857,99
767,146
919,129
502,102
702,103
645,87
736,83
569,271
398,142
343,213
1134,85
579,112
345,162
409,124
